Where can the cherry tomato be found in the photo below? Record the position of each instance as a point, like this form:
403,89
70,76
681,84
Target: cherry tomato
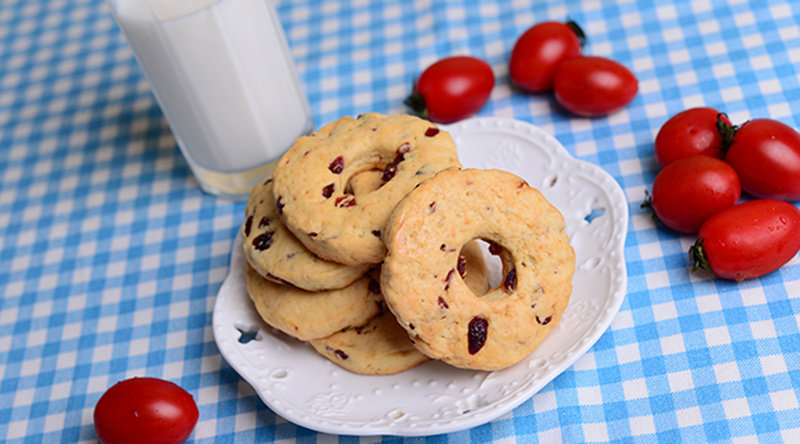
748,240
452,89
690,190
688,133
766,154
147,410
594,86
540,50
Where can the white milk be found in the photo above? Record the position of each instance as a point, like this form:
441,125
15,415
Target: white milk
223,76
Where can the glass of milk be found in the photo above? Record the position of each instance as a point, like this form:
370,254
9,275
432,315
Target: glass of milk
223,75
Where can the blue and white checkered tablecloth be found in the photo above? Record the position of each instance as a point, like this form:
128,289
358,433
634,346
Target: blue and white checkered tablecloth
110,255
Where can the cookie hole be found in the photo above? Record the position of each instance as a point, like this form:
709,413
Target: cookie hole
493,264
497,257
594,214
474,266
248,334
364,182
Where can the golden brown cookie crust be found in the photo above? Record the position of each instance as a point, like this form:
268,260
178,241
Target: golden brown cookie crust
312,177
430,300
381,347
276,254
311,315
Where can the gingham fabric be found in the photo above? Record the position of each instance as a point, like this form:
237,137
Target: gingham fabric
111,257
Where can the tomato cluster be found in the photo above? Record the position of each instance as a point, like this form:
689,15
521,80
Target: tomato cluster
546,57
707,164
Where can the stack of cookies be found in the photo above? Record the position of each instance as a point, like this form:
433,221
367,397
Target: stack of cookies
364,243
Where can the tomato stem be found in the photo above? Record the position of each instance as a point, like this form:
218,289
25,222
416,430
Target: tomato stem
697,256
576,28
416,103
727,131
648,203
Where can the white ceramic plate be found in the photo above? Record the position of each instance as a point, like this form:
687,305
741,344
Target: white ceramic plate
433,398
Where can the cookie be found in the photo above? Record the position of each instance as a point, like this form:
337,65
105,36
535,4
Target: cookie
312,315
421,285
311,181
276,254
381,347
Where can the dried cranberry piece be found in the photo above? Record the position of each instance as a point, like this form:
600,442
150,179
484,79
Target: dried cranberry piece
510,281
430,132
448,278
279,204
391,168
544,321
477,332
263,241
327,191
443,303
337,165
248,224
263,222
312,234
432,207
495,248
462,265
403,148
348,200
341,354
389,172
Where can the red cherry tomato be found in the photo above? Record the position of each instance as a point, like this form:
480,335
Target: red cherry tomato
147,410
594,86
690,190
748,240
452,89
688,133
540,50
766,154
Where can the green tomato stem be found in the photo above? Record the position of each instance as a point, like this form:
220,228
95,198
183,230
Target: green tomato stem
697,256
726,131
416,103
576,28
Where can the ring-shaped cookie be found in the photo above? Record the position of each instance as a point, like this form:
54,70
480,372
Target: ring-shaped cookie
420,285
310,181
276,254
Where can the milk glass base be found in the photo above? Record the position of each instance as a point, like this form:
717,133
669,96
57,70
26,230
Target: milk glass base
233,186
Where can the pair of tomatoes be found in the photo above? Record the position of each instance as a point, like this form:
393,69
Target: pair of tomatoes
548,57
545,57
707,163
